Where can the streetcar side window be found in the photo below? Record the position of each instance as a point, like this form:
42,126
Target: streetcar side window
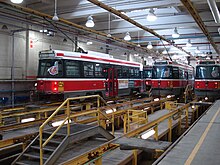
99,70
88,69
125,72
134,72
175,73
190,75
182,74
72,68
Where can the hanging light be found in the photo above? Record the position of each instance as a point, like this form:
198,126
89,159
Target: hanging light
4,27
149,46
109,25
138,45
127,37
151,16
197,50
90,22
55,17
175,33
17,1
188,44
164,51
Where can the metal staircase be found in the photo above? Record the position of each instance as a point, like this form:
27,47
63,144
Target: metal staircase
31,155
47,147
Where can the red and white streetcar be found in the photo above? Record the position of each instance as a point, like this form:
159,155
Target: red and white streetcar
68,74
170,78
207,79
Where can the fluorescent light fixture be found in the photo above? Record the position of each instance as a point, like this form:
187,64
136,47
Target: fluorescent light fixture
149,46
89,43
58,123
156,99
41,31
90,22
151,17
45,31
175,33
197,50
148,134
127,37
17,1
188,44
110,111
27,120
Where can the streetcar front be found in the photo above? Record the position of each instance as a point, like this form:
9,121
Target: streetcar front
50,73
207,80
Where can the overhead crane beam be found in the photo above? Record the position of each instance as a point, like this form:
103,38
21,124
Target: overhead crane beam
61,20
123,16
194,13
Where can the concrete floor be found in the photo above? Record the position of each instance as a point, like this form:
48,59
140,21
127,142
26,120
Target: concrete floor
208,146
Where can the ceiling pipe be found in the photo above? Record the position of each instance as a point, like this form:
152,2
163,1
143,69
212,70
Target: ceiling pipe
123,16
214,9
194,13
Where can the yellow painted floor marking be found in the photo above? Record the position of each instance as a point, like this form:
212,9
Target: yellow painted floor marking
202,138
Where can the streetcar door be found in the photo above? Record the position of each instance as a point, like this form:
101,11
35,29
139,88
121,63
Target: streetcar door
112,82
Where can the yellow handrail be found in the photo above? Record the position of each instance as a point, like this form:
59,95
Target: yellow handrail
52,135
66,104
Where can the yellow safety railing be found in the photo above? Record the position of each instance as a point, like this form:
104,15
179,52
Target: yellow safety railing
66,105
154,124
136,117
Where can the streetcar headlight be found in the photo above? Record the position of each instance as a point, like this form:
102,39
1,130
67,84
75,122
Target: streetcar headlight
169,96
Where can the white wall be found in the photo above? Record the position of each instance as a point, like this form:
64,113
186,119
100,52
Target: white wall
40,42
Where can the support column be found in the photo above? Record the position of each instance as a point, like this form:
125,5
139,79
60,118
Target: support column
27,53
13,71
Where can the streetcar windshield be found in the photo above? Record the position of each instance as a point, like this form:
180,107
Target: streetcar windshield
50,68
163,72
147,73
207,72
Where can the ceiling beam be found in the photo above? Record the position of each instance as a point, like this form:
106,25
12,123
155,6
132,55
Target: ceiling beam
192,10
80,12
118,13
79,27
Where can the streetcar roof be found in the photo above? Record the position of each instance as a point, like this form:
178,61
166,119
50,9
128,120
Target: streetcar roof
90,56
